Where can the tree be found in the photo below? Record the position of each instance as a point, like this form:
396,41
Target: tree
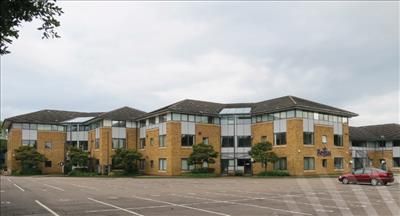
14,12
126,159
29,158
3,145
262,152
202,153
78,157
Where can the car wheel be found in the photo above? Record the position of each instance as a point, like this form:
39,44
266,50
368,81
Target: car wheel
385,183
374,182
345,181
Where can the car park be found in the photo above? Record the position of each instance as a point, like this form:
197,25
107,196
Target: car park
371,175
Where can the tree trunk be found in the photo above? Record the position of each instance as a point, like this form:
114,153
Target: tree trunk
265,166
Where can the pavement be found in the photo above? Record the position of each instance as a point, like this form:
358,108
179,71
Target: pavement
39,195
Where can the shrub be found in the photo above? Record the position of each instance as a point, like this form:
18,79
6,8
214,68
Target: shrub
199,175
239,173
274,173
78,172
203,170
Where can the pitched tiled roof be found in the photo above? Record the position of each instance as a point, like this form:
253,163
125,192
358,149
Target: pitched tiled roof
269,106
123,113
375,132
47,117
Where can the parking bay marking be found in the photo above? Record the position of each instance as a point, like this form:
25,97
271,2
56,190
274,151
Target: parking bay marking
247,204
183,206
114,206
57,188
47,208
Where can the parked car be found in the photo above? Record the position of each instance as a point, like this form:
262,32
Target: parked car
368,175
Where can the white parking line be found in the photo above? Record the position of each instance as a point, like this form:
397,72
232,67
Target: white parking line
183,206
84,186
246,204
9,180
114,206
47,208
18,187
57,188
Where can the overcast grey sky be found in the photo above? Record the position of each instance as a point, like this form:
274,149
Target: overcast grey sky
151,54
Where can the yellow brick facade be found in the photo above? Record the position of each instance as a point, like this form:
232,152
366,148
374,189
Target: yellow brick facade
14,142
56,153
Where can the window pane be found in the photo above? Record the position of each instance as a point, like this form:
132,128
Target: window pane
227,141
244,141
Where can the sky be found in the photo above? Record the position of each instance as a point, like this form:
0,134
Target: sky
150,54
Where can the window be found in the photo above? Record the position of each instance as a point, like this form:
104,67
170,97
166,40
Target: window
308,138
228,141
396,162
382,143
142,123
205,140
162,118
176,116
210,120
358,144
396,143
47,164
324,139
142,164
151,141
244,141
47,145
184,117
31,143
309,163
281,164
151,163
324,163
142,143
161,141
263,139
299,114
280,138
290,114
162,164
152,120
338,162
97,143
83,145
74,127
338,140
118,143
25,126
259,118
118,123
185,165
187,140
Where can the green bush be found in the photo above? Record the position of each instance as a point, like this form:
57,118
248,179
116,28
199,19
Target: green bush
202,170
274,173
199,175
21,172
239,173
78,172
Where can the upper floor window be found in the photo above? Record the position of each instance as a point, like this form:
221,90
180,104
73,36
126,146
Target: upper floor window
382,143
228,141
338,140
324,139
280,138
396,143
97,143
187,140
244,141
205,140
118,123
31,143
162,118
161,141
142,143
263,139
48,145
152,120
142,123
308,138
118,143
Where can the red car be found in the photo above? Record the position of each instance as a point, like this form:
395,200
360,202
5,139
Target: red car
368,175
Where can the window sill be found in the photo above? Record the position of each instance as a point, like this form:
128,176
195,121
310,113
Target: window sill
335,146
309,170
141,149
280,146
309,145
187,147
163,147
162,171
339,170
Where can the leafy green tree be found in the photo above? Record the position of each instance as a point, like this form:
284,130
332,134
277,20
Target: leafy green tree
126,159
262,152
78,157
29,158
14,12
202,153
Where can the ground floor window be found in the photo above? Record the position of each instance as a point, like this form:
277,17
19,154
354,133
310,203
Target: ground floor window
83,145
205,140
308,138
309,163
47,163
162,164
31,143
338,162
280,138
281,164
118,143
142,164
396,162
338,140
185,165
187,140
324,163
142,143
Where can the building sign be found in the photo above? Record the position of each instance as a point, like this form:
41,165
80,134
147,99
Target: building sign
323,152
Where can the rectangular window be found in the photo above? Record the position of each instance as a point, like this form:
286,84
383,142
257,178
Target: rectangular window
396,143
176,116
97,143
281,164
338,162
47,145
152,120
228,141
280,138
244,141
47,163
161,141
290,114
263,139
324,139
205,140
299,114
187,140
151,141
382,143
83,145
210,120
118,143
324,163
185,165
309,163
31,143
162,118
142,143
259,118
396,162
142,164
162,164
142,123
338,140
308,138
